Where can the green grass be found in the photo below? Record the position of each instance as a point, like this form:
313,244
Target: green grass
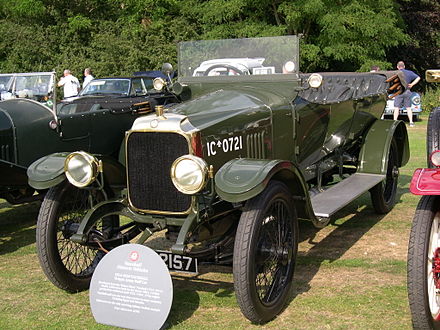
349,275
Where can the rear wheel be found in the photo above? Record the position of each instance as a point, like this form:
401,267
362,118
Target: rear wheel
265,250
424,265
383,195
433,134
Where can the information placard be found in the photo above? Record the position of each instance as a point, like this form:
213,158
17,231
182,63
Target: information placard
131,288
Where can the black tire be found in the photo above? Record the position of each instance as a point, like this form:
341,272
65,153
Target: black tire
68,265
433,134
383,195
265,250
423,279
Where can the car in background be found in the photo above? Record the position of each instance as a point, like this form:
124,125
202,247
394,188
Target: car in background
232,67
416,107
117,93
94,121
5,82
37,86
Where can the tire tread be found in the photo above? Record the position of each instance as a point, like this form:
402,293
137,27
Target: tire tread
416,276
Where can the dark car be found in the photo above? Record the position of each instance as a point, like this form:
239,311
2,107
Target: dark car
95,121
255,146
424,243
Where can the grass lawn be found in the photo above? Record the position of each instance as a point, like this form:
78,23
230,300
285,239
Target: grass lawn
351,274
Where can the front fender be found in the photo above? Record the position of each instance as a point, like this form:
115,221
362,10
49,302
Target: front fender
47,171
242,179
373,157
425,181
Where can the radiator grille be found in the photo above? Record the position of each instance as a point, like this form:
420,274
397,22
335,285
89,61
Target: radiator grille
255,145
149,159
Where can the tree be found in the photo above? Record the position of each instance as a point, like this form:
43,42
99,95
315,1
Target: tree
421,20
346,35
121,36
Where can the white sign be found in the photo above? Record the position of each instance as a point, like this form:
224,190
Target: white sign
131,288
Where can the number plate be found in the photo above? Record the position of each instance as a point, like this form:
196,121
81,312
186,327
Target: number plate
179,263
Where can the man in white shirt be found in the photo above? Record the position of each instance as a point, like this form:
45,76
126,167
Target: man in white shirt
87,76
70,83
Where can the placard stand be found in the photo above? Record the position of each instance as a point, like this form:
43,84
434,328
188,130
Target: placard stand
131,288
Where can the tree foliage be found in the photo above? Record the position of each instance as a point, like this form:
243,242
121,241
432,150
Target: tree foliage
117,37
421,19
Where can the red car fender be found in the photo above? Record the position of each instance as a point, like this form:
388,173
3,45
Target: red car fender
425,181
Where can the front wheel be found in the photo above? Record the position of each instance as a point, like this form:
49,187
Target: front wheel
383,195
424,265
69,265
265,250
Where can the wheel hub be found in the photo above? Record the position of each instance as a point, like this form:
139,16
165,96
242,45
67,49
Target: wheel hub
395,172
69,228
284,253
436,268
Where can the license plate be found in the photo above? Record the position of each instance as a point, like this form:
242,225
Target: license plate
179,263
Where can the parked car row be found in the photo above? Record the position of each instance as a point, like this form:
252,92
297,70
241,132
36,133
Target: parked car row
94,121
227,172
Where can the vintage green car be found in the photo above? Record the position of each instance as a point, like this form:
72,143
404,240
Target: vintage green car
255,146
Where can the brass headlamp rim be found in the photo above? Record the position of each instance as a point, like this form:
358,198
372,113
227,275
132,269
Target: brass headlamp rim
93,162
203,166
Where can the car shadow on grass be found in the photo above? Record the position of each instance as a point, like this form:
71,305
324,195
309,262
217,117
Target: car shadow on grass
186,297
361,218
17,226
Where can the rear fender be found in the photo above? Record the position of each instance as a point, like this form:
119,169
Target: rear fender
373,157
48,171
242,179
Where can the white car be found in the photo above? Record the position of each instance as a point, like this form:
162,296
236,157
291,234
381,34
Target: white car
36,86
232,67
416,107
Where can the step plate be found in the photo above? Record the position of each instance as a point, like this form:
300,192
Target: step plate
333,199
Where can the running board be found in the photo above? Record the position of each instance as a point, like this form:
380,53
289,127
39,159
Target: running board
336,197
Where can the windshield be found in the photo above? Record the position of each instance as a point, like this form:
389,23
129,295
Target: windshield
107,86
4,82
33,85
232,57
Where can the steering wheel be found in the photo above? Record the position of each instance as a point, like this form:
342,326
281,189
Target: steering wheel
225,66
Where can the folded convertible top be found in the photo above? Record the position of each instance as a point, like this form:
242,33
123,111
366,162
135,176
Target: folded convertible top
343,86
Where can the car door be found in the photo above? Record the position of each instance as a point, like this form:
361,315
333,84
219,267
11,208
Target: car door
75,126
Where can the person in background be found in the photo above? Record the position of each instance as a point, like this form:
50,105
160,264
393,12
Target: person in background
374,68
404,99
70,83
87,76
